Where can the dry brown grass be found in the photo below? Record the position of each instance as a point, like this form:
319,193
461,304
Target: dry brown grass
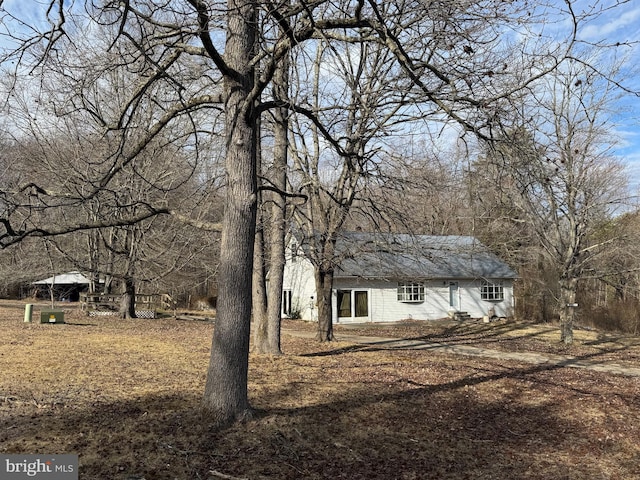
124,396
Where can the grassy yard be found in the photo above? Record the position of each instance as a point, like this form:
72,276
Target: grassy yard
125,395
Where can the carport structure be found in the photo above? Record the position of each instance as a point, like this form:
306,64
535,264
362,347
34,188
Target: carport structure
66,286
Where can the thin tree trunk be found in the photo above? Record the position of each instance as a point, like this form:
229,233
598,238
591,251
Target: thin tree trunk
274,304
266,304
226,396
92,248
259,300
267,338
324,286
568,289
107,288
271,340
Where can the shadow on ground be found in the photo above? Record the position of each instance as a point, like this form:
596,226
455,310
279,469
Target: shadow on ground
484,421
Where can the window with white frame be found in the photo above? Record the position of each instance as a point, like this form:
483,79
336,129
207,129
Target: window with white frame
410,292
492,291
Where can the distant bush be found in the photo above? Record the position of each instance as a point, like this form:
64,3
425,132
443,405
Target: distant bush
619,316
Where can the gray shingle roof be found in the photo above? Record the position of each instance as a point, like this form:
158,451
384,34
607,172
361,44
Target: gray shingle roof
415,257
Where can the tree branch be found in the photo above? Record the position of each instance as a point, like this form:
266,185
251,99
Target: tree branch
205,37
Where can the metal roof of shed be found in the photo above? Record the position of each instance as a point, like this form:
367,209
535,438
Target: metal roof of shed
69,278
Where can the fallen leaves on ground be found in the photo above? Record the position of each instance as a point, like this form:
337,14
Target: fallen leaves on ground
125,396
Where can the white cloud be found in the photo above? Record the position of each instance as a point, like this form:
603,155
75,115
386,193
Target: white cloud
620,26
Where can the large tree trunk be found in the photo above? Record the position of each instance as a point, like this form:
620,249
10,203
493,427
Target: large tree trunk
324,286
226,397
128,302
568,287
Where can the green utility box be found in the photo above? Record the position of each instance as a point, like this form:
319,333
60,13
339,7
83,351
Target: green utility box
51,316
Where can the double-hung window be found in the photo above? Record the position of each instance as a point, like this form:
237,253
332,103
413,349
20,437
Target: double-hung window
492,291
411,292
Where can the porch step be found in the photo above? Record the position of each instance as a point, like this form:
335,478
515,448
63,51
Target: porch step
461,316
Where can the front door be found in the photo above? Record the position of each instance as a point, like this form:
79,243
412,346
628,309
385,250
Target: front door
454,296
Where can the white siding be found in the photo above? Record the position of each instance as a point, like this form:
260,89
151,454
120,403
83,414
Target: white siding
384,304
385,307
299,278
472,302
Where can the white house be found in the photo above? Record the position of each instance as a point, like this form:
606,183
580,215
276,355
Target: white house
393,277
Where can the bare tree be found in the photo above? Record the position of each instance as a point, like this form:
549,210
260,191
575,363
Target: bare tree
367,104
267,314
412,78
557,170
69,155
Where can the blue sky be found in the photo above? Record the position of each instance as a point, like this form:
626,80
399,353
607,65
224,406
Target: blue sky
622,25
